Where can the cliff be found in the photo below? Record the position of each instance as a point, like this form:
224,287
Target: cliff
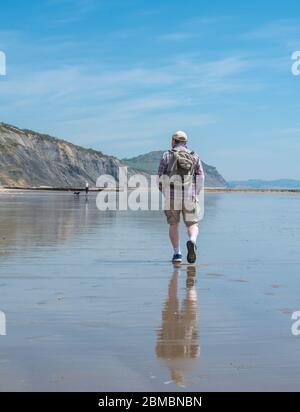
149,163
32,159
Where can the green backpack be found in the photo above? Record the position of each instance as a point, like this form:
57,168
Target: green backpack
182,164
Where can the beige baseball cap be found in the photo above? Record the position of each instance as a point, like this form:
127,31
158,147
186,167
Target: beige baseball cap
180,135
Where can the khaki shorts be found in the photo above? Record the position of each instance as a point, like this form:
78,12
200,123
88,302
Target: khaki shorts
190,212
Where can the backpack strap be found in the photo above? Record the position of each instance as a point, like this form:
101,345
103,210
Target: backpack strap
173,161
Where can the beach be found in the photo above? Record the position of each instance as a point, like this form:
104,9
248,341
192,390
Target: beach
92,302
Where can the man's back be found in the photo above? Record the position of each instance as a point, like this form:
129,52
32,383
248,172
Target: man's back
198,174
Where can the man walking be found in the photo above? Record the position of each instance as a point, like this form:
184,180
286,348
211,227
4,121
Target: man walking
181,178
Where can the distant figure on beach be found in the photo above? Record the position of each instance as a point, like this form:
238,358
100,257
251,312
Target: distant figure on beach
177,338
87,188
185,178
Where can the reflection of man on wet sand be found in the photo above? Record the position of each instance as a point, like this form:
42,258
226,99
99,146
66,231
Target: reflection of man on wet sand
177,338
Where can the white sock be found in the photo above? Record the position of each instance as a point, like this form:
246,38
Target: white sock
177,250
193,239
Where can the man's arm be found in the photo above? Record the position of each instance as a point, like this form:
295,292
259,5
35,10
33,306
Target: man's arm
162,169
199,176
163,166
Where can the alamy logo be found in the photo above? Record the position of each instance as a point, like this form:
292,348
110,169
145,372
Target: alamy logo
2,63
296,325
2,323
296,64
138,192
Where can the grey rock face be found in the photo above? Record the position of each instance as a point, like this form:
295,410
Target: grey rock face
31,159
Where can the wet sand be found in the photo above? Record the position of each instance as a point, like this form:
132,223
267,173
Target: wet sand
93,303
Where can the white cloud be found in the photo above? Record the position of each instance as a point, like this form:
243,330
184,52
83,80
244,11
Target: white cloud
177,36
71,11
285,32
137,101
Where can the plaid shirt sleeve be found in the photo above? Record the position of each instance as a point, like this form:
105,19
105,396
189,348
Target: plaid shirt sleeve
199,175
163,165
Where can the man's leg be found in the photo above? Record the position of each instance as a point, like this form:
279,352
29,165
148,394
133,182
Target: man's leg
191,243
173,218
191,218
193,232
174,237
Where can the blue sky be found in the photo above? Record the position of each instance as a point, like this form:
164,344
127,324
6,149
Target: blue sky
122,75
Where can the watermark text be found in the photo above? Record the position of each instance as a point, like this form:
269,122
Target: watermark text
2,63
296,325
138,192
296,64
2,324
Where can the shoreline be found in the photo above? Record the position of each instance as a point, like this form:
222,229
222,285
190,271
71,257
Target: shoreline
250,190
53,189
8,189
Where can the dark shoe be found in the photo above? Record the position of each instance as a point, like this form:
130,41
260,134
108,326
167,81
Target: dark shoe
191,247
177,258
